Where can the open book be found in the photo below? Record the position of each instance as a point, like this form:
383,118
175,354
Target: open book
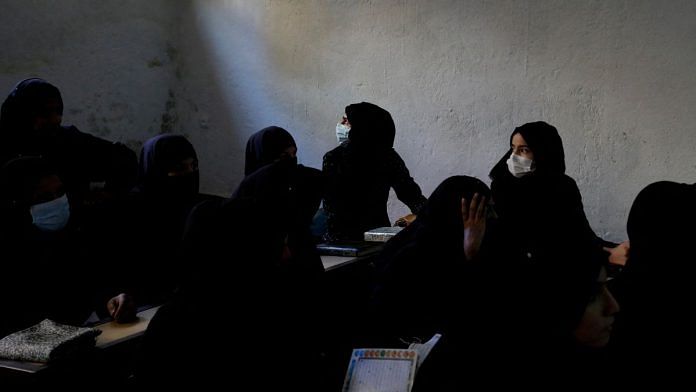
382,369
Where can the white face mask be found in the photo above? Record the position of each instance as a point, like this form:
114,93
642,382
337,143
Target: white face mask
342,132
52,215
519,166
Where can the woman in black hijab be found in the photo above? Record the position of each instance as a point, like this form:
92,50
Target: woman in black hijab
360,172
273,144
537,202
46,256
425,266
266,280
528,325
30,124
167,192
655,328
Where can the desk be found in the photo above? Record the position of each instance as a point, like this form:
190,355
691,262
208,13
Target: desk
115,333
112,334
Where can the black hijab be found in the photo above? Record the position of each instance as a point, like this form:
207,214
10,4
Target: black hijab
266,146
545,142
285,207
660,266
27,101
439,226
656,289
372,128
160,155
430,251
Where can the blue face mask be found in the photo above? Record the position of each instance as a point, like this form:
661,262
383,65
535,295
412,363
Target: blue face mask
52,215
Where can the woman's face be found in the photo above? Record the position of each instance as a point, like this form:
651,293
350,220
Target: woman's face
595,326
47,189
186,166
290,152
519,147
49,117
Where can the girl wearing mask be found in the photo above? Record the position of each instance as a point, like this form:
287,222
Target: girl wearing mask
361,171
536,201
48,254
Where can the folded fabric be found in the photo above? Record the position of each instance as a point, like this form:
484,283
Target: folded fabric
47,341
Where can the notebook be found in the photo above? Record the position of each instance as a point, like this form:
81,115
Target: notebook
382,369
390,370
382,234
348,248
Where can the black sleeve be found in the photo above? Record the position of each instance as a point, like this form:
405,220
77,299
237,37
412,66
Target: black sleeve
405,187
102,160
333,202
574,210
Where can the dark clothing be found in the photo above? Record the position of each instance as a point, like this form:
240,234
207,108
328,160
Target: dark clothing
82,160
654,329
357,190
360,172
265,147
542,207
47,276
161,155
268,146
151,222
423,272
372,129
268,291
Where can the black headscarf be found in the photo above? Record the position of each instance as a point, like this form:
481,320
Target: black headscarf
660,267
286,205
662,214
371,127
27,101
439,225
266,146
431,252
160,155
545,142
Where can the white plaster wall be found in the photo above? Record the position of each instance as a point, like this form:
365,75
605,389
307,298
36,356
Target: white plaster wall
110,59
615,77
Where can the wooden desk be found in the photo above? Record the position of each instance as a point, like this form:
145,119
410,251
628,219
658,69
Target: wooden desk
115,333
112,334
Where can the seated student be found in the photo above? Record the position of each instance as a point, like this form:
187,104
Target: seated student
531,326
654,331
93,170
425,268
168,189
534,198
266,279
360,172
50,271
272,144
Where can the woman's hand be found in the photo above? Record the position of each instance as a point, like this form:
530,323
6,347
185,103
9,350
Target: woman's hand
474,219
121,308
619,254
405,220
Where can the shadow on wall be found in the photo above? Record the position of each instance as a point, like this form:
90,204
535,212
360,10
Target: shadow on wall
213,42
268,63
225,68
